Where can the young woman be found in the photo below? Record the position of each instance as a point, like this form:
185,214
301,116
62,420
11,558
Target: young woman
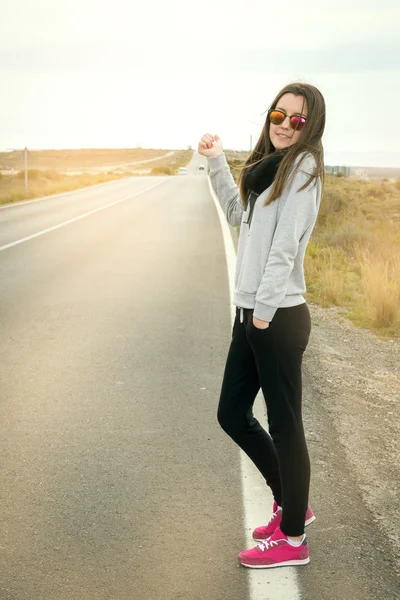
276,204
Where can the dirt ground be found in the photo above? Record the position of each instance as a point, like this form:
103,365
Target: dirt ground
357,377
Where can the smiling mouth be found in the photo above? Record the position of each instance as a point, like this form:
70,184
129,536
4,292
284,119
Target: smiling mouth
284,137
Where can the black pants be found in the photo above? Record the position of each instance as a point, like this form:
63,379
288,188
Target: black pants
271,359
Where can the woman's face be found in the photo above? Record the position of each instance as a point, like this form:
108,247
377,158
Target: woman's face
283,135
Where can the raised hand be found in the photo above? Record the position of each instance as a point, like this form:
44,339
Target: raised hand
210,145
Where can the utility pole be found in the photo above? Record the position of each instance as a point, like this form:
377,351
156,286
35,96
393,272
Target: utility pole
26,169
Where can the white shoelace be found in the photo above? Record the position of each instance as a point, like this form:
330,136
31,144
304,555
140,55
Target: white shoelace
274,515
267,544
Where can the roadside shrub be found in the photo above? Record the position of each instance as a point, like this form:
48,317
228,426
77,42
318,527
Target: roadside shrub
347,236
332,202
375,191
161,171
326,274
52,175
379,279
33,174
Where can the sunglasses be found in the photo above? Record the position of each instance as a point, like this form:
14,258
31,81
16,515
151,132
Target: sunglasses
278,116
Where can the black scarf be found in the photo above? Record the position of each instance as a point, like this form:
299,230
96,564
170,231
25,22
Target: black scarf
259,177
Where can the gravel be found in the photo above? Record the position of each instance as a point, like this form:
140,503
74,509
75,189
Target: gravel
357,379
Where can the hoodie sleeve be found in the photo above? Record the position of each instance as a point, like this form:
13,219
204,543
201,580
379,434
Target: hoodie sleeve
225,189
298,213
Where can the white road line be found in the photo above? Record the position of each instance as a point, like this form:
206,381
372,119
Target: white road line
265,584
91,212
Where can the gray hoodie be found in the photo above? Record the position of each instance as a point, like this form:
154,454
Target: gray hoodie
273,239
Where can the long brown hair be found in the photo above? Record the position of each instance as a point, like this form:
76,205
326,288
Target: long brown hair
309,142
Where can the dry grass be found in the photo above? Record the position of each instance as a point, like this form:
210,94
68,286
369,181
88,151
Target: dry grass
353,258
359,226
180,159
360,223
12,188
78,159
380,280
47,181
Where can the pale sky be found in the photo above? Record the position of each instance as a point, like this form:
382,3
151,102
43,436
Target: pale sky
95,73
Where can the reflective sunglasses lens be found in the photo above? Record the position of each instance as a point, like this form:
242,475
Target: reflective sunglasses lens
297,123
276,117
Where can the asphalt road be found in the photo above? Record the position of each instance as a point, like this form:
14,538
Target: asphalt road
116,480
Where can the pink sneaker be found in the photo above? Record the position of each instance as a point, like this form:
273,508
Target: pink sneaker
276,552
265,531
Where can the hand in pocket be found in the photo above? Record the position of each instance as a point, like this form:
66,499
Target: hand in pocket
259,324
